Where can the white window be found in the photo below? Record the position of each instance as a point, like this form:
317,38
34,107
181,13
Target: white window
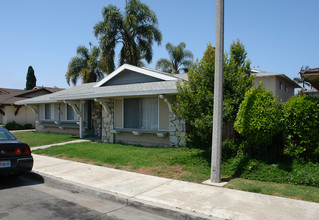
70,114
286,88
48,112
280,85
141,113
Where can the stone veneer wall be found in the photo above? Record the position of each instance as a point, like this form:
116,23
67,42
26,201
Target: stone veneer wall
96,114
177,126
108,122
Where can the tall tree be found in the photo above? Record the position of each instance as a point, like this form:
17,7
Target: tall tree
136,30
31,81
179,60
85,65
196,96
302,80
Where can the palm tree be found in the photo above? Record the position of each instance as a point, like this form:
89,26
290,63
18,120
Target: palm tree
136,29
302,80
179,59
85,65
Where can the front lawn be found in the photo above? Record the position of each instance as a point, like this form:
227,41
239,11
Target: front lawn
34,139
176,163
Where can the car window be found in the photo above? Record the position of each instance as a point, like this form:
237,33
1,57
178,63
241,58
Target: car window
5,135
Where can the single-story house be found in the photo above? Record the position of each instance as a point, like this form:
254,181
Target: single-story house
281,85
9,111
132,105
312,75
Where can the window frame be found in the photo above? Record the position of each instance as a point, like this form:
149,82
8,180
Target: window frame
141,98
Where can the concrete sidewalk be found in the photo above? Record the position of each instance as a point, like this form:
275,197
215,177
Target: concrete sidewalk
173,196
63,143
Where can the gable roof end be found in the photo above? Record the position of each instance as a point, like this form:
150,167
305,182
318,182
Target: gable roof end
144,71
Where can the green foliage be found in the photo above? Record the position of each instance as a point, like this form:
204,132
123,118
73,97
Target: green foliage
259,117
136,30
179,59
301,120
13,126
196,96
242,165
31,79
85,65
28,126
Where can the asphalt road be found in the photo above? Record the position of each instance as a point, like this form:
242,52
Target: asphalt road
28,197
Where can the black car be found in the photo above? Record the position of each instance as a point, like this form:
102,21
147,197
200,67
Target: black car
15,156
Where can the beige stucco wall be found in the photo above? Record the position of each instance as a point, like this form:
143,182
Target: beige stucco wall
269,83
273,83
25,115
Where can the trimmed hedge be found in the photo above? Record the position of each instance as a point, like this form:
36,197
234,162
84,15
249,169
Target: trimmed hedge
259,117
292,173
301,131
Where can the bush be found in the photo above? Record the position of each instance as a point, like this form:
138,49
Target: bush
259,117
292,173
28,126
301,121
14,126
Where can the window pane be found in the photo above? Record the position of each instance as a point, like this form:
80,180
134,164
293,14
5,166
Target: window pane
149,113
47,111
132,113
70,113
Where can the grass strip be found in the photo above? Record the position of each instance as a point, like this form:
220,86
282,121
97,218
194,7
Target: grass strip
34,139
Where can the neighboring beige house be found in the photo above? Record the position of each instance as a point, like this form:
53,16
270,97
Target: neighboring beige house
132,105
281,85
20,114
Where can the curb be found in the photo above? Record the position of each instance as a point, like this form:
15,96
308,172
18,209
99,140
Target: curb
142,205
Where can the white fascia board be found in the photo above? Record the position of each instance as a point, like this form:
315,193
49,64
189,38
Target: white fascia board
35,102
123,94
135,69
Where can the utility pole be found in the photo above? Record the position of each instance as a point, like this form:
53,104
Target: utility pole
218,95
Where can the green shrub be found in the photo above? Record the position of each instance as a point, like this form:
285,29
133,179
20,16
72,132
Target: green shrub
301,121
28,126
259,117
292,173
13,126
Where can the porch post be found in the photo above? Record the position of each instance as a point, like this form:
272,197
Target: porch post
81,119
78,108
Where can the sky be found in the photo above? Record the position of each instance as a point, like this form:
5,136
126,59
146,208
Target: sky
279,36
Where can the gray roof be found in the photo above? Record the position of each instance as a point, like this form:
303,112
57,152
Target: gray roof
11,96
91,91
